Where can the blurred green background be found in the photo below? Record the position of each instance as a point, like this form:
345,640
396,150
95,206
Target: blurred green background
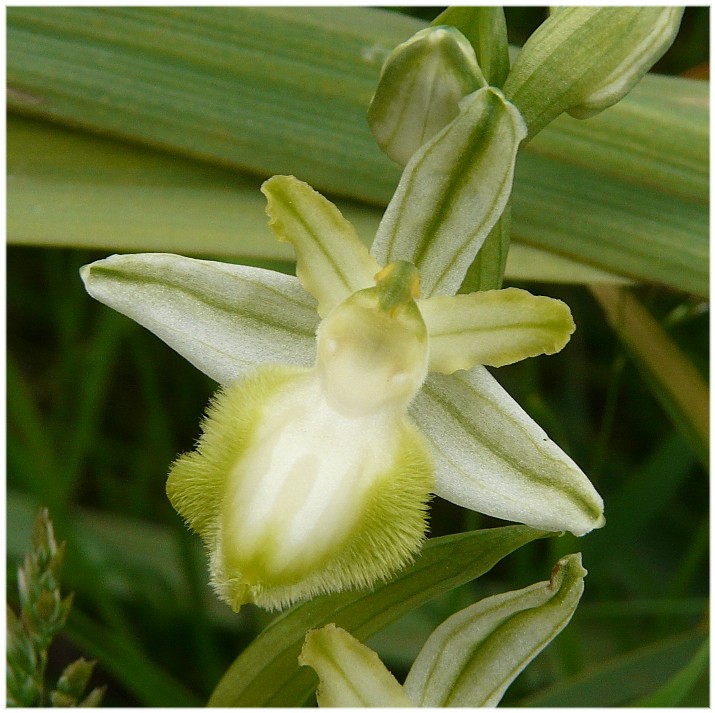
98,408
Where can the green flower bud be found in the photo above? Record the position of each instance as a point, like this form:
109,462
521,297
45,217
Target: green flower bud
585,59
421,85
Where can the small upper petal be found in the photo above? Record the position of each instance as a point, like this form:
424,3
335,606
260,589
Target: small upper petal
332,262
494,327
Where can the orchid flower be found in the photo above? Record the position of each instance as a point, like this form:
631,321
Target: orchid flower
468,661
321,450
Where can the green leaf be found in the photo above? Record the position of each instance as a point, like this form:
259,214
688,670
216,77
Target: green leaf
223,318
420,88
622,680
490,456
267,672
679,386
332,263
673,692
298,107
585,59
485,28
471,658
452,192
655,137
494,327
630,229
129,664
270,90
68,188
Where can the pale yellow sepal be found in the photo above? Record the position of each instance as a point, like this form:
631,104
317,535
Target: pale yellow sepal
351,675
332,262
494,328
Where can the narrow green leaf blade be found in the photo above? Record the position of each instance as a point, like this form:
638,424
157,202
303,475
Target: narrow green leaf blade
299,107
635,231
129,664
274,90
678,385
71,189
673,692
621,680
267,672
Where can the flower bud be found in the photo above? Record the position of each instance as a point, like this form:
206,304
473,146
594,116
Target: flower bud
421,85
585,59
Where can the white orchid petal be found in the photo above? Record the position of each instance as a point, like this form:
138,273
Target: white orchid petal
470,659
332,262
223,318
351,675
490,456
494,327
